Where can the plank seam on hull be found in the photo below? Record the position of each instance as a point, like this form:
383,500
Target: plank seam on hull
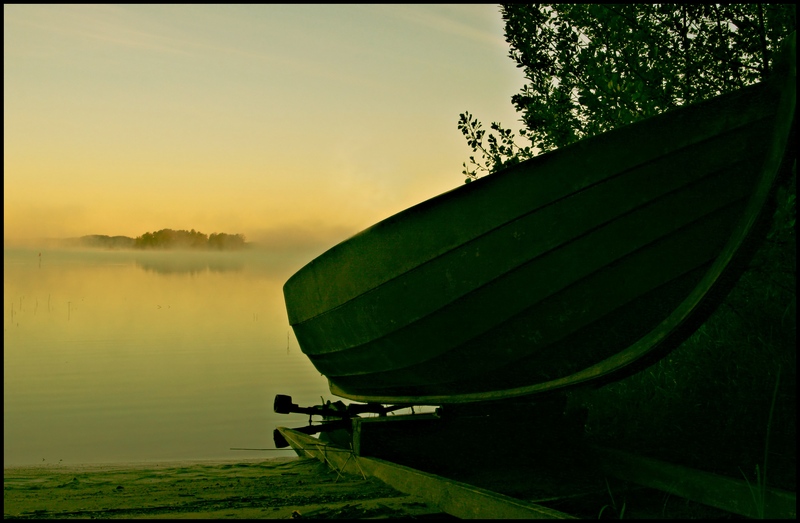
549,295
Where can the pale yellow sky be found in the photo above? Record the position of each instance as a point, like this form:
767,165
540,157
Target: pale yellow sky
289,124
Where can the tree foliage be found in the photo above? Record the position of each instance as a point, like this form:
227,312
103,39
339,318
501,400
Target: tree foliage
182,239
592,68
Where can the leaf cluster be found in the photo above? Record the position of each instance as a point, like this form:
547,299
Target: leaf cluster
498,153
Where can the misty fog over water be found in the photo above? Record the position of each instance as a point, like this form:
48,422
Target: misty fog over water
116,356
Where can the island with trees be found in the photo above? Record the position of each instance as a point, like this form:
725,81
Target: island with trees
164,239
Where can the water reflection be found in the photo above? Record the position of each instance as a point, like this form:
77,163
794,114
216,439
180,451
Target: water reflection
189,265
126,356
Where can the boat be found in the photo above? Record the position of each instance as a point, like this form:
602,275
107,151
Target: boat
574,268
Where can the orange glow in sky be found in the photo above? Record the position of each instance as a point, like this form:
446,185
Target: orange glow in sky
288,124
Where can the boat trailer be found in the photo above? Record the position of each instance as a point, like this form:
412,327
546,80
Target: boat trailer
420,453
422,436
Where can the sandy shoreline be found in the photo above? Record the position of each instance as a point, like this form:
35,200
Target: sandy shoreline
257,488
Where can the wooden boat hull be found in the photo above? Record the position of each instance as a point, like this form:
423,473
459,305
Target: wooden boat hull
575,266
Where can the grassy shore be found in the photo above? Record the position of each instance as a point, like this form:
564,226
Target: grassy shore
264,489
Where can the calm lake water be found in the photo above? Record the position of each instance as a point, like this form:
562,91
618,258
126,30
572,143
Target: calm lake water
113,356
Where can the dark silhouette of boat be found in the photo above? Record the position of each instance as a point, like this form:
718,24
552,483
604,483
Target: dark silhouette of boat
581,265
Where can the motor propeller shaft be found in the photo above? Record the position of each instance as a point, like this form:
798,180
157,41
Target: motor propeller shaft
283,405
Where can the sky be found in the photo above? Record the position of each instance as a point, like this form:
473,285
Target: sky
293,125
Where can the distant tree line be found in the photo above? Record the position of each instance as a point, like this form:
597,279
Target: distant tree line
182,239
163,239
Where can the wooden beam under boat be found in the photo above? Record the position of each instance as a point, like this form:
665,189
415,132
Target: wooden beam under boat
453,497
581,265
728,494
